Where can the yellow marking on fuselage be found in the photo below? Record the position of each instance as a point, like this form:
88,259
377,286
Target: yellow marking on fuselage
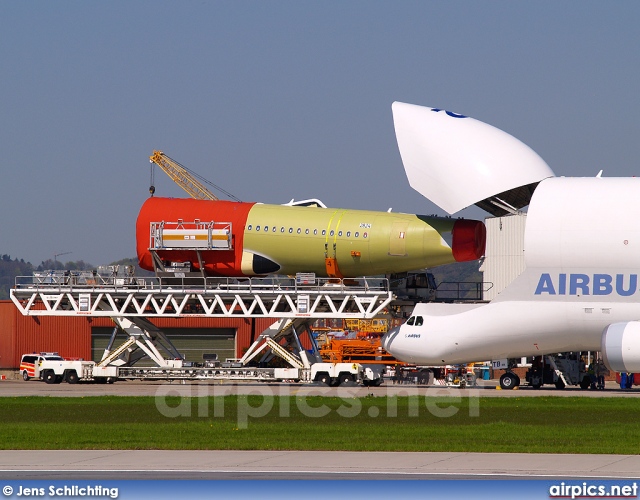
326,240
335,236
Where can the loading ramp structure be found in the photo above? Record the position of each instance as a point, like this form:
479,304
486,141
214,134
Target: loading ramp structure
85,294
131,302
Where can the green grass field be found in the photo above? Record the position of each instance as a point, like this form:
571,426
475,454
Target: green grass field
534,425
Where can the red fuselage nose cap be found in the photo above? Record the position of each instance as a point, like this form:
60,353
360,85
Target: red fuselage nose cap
469,240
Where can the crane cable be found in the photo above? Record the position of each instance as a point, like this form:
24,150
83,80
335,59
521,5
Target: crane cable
202,179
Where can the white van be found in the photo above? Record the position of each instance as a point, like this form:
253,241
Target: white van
30,363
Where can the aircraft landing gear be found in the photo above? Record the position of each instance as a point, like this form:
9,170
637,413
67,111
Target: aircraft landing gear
509,381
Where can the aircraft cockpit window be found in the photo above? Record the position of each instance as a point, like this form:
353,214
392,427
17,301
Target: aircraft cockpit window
411,320
418,320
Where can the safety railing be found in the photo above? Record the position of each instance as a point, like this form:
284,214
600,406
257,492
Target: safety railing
63,281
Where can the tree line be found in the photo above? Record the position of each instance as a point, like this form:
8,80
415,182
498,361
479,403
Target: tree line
11,268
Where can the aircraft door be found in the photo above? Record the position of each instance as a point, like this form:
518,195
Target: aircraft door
397,238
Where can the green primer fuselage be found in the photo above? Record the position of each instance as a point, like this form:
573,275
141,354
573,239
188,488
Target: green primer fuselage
299,239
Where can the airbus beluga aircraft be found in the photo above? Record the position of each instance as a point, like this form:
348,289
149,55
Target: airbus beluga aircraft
579,290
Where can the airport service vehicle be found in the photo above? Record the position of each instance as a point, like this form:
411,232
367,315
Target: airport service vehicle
561,370
55,369
579,290
31,364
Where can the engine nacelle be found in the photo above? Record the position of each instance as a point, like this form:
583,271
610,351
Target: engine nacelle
620,347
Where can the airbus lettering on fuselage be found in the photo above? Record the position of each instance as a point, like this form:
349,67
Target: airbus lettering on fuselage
624,285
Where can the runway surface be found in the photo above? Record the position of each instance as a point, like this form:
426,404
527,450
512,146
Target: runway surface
153,464
15,388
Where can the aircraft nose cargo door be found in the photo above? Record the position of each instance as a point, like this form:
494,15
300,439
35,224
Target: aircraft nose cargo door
456,161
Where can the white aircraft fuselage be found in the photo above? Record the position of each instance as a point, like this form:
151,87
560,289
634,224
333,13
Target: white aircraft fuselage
579,290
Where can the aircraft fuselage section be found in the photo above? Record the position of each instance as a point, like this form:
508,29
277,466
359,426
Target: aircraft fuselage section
268,239
362,242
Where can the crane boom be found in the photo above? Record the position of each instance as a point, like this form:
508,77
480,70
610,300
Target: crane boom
182,177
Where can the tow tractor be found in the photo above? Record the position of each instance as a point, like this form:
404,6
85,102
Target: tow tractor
561,369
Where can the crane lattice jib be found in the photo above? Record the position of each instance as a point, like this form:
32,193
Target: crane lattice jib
181,177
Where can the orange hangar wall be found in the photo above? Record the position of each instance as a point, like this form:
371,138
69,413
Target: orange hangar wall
72,336
20,334
7,334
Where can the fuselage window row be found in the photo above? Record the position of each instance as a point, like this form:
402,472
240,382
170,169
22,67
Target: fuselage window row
306,231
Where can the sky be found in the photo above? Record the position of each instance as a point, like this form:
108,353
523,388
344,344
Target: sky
274,100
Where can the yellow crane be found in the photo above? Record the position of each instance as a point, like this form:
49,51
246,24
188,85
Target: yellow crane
183,177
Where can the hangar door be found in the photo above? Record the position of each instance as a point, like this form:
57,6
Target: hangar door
192,343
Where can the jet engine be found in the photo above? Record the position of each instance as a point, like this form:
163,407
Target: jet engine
621,347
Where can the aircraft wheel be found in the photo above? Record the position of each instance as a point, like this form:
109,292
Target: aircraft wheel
509,381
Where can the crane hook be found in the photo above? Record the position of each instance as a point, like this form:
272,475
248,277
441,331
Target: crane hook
152,188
